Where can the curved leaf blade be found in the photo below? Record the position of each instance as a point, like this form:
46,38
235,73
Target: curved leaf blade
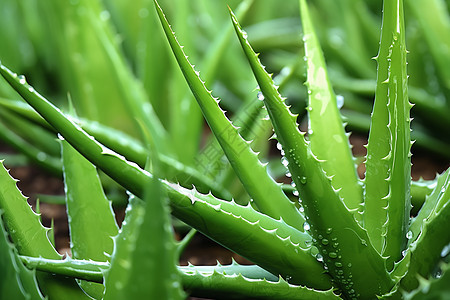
266,193
16,281
131,177
144,245
30,237
388,165
358,260
328,140
91,230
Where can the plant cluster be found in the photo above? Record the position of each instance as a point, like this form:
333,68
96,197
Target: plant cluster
328,235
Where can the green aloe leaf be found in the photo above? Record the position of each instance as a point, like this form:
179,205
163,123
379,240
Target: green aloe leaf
273,236
217,282
251,234
114,139
49,163
133,150
16,281
130,176
91,230
428,207
77,268
218,285
326,132
30,237
35,135
388,165
265,192
126,174
23,109
144,245
426,249
420,190
344,246
433,288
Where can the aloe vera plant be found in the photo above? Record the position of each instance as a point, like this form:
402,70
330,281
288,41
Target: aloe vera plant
336,237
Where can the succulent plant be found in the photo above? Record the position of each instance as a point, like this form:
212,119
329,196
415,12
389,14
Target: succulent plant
339,238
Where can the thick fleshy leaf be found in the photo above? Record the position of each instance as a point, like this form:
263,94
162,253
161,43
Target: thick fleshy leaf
218,282
30,237
91,230
134,151
265,192
34,154
426,249
16,281
326,132
145,245
134,179
344,246
428,207
432,288
388,165
218,285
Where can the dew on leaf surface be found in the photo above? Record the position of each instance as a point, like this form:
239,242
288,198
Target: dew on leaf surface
319,257
260,96
306,226
279,146
303,180
409,235
22,79
445,251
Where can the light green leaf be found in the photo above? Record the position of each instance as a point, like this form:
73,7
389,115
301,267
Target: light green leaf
357,259
388,165
328,140
426,249
91,230
204,215
145,245
16,281
30,237
265,192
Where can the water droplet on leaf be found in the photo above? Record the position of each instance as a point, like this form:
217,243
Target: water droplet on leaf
260,96
409,235
22,79
303,180
445,251
306,226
